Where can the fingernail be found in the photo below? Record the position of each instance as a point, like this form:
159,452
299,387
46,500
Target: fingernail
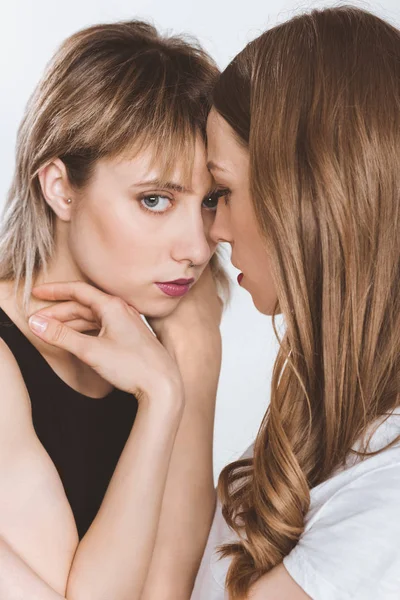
38,324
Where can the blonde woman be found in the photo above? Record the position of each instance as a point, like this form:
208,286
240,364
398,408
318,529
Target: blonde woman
304,143
106,428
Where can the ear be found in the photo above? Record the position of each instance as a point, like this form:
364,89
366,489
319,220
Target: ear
56,188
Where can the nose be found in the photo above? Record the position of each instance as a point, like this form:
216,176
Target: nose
220,230
192,242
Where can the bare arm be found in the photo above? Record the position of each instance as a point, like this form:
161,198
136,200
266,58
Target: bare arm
38,533
189,498
18,581
277,585
192,335
113,557
37,530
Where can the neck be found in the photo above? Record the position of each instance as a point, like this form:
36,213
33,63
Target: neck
60,268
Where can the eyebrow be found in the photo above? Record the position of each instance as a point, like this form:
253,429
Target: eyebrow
212,166
165,185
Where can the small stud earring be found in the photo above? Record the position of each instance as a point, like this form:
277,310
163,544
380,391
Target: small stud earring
68,200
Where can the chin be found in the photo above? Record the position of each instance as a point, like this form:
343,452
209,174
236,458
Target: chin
159,312
263,307
149,305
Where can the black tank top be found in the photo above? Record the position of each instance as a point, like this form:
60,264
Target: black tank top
83,436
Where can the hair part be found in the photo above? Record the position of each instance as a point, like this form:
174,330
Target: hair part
316,101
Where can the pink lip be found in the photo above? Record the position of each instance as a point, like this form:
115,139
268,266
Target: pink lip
173,289
180,281
240,277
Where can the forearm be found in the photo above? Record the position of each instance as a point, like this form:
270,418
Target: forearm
113,558
18,581
189,498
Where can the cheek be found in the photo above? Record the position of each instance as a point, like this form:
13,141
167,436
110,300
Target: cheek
261,282
109,247
122,254
266,296
251,255
105,232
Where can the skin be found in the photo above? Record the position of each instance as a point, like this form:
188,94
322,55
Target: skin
236,223
189,498
131,241
114,251
105,236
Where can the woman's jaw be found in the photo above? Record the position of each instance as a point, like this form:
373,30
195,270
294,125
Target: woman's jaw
129,232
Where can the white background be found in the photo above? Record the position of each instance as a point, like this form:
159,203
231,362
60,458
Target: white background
32,30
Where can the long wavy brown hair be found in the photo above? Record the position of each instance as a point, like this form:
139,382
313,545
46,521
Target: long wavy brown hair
317,102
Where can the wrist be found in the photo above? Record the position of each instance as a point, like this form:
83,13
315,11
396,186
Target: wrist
165,397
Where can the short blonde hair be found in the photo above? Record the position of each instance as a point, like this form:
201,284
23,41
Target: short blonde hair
109,89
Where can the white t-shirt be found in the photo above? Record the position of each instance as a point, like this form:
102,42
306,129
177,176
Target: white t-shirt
350,548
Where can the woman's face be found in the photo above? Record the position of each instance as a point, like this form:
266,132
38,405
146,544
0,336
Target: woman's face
235,221
127,232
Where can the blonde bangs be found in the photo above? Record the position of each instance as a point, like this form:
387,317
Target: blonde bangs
110,90
171,151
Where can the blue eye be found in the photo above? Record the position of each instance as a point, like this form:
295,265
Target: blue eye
152,203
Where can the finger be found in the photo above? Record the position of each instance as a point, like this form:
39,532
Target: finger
67,311
83,325
74,290
57,334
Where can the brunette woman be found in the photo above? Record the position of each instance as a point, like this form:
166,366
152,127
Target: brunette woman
304,143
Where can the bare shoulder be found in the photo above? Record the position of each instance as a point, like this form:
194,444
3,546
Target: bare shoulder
16,427
35,517
11,379
12,382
